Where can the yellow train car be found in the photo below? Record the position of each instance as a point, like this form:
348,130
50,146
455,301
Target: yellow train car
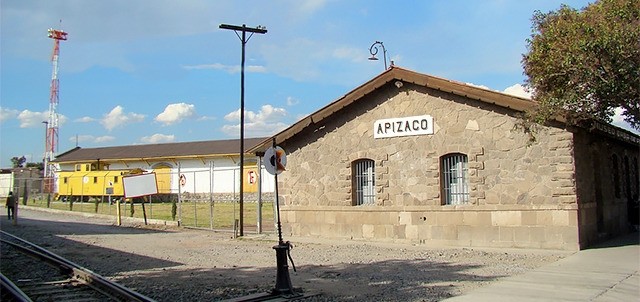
92,180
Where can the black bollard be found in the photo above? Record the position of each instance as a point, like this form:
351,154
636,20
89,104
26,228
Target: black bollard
283,281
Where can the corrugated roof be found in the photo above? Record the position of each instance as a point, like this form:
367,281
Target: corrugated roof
158,151
393,74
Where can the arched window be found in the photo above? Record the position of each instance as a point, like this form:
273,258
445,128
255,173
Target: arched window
616,175
454,181
363,182
636,178
627,178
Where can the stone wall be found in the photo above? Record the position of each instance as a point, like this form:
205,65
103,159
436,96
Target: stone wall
603,212
516,189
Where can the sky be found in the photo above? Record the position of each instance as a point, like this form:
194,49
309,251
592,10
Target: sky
157,71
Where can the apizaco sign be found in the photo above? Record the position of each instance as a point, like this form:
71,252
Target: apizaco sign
403,126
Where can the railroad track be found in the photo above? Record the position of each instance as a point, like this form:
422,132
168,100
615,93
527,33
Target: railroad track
274,297
58,280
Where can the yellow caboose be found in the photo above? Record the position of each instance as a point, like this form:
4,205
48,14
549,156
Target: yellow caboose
91,180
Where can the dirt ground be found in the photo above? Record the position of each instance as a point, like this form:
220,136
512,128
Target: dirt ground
175,264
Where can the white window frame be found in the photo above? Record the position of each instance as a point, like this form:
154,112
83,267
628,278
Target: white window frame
454,180
364,186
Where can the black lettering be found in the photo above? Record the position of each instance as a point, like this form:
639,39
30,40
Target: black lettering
399,123
387,126
424,124
406,127
415,125
380,129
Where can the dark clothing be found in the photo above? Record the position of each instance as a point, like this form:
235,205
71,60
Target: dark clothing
11,204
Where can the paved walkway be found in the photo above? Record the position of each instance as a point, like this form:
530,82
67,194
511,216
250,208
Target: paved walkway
608,272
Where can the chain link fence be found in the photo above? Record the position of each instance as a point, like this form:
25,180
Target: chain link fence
198,198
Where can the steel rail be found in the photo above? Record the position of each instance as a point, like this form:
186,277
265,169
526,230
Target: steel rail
86,276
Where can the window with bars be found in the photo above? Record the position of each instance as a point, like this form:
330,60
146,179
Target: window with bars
454,180
364,191
616,176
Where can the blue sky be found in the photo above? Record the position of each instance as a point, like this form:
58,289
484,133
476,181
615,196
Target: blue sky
153,71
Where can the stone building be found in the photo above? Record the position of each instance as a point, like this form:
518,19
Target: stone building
415,158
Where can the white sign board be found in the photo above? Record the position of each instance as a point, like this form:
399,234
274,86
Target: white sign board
140,185
403,126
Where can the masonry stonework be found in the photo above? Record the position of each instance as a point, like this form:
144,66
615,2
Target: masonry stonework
521,195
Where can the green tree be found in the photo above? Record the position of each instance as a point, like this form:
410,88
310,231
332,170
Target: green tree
18,162
583,64
39,165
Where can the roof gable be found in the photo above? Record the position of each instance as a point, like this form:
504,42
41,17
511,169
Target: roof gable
400,74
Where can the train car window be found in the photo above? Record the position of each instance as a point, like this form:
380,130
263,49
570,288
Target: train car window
115,179
93,167
65,180
78,168
95,179
86,167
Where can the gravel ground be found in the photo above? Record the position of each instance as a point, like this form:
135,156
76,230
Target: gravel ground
175,264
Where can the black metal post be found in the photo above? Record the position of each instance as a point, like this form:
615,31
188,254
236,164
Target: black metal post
283,279
244,29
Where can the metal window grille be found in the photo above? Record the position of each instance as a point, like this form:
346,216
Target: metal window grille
616,175
455,185
364,182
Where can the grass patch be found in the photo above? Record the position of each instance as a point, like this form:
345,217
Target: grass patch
216,215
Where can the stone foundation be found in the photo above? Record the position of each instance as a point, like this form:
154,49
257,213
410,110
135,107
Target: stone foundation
484,226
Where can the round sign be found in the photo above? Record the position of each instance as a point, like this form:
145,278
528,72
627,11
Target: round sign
275,160
183,180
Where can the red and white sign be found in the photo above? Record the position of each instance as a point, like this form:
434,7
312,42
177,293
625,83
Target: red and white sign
252,177
275,159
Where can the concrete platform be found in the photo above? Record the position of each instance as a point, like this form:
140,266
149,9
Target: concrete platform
608,272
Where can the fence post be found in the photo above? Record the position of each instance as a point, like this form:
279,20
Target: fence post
179,196
195,201
211,174
259,212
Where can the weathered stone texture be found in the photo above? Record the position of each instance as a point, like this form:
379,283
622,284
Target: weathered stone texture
521,194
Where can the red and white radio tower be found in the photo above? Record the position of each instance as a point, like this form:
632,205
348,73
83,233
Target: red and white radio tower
51,143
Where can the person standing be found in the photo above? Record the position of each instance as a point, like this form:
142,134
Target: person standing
11,205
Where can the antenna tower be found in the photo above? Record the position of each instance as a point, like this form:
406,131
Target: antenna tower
51,143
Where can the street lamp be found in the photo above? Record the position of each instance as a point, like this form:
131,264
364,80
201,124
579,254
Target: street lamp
244,39
374,50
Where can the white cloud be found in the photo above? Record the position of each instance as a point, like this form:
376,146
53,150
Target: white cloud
228,68
85,119
6,114
104,139
266,122
118,118
267,113
518,90
157,138
31,119
479,86
175,113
